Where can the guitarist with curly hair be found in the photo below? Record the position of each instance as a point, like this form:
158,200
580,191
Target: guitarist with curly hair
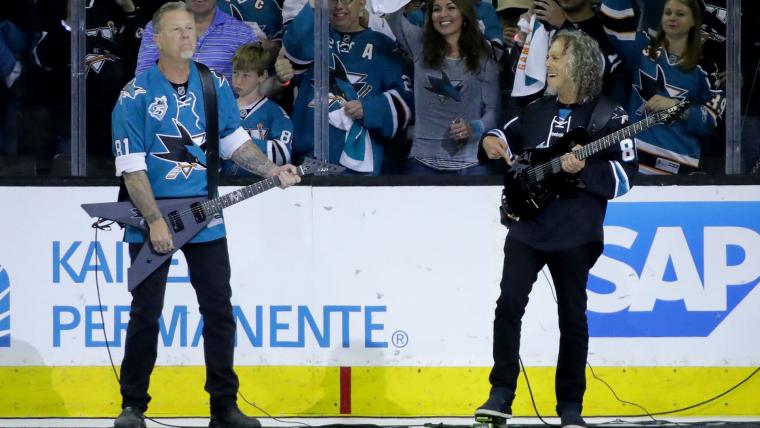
563,229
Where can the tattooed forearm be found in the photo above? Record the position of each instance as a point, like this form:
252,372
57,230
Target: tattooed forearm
250,157
141,195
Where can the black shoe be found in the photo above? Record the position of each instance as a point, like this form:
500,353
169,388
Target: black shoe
495,406
130,417
232,417
572,419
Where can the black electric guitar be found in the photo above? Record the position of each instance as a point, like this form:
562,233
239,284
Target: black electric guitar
535,177
187,216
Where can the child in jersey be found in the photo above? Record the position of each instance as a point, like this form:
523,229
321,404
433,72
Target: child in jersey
266,122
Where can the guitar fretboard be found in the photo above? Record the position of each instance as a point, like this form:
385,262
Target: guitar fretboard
213,206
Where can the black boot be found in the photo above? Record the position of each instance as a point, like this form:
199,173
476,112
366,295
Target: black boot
130,417
232,417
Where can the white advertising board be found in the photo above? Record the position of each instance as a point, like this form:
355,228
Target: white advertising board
398,276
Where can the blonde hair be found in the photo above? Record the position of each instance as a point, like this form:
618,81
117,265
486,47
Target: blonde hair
166,8
251,57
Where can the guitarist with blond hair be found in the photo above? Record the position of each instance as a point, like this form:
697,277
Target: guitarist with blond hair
160,143
563,230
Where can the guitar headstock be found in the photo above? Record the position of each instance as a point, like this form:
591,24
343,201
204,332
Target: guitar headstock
319,167
671,114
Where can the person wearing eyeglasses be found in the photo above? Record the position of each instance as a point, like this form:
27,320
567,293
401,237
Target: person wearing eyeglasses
370,90
456,87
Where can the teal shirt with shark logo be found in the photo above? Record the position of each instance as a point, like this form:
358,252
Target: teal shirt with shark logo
162,130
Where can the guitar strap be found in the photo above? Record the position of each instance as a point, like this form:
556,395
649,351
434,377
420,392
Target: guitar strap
600,115
212,129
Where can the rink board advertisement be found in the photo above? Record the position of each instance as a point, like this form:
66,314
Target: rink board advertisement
396,285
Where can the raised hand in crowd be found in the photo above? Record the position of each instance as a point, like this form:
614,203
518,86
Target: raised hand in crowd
283,68
550,12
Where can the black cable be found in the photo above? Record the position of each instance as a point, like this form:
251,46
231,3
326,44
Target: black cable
97,226
614,394
551,284
701,403
268,414
530,391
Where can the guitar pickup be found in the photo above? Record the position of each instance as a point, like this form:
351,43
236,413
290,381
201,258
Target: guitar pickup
198,213
175,221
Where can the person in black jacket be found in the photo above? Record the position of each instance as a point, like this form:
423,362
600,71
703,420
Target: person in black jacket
566,235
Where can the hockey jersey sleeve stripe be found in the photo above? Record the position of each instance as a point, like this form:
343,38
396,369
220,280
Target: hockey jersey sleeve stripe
402,112
622,182
130,163
620,26
278,152
627,36
500,135
296,61
617,13
232,142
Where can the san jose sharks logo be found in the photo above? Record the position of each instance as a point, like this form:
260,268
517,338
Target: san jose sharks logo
444,87
339,75
650,86
260,132
131,90
183,150
96,61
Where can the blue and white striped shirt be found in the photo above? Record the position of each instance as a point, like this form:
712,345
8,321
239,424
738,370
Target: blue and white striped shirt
214,48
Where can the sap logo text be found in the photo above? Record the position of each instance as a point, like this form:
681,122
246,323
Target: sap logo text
286,327
673,269
5,308
77,262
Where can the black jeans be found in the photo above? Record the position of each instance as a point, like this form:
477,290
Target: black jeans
209,267
569,269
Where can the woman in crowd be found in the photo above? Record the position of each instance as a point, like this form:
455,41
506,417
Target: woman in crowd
665,71
370,95
455,85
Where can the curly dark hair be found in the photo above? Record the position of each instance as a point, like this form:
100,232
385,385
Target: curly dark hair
472,44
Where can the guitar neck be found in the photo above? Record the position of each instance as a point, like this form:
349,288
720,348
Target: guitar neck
215,205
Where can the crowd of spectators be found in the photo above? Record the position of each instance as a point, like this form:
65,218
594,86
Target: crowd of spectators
413,84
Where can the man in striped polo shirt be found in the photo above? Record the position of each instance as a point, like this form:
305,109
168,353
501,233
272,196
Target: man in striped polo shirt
219,35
